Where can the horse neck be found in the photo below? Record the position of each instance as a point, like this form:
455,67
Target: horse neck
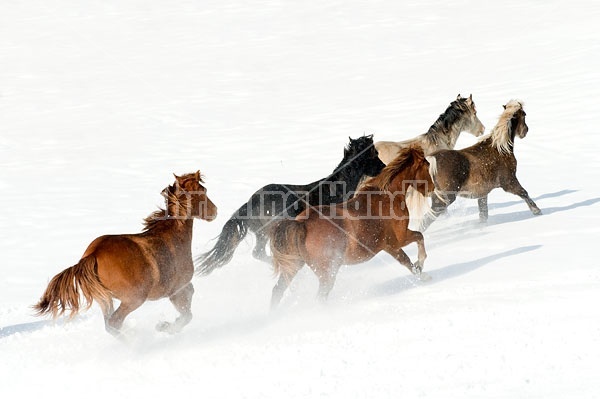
174,225
348,174
397,185
438,132
501,145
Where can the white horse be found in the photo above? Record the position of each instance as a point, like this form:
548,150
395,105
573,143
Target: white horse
460,116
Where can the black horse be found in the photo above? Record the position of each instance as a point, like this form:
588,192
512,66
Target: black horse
277,201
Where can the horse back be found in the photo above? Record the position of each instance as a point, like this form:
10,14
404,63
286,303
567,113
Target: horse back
136,264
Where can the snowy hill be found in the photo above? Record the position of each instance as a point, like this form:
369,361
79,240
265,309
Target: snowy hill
100,102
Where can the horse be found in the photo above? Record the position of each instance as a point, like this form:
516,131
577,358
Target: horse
375,219
134,268
461,115
474,171
275,201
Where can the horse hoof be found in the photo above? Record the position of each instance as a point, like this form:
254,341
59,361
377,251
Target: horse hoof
164,326
537,211
417,268
424,277
171,328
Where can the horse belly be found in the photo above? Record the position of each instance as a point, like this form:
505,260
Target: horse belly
325,242
480,182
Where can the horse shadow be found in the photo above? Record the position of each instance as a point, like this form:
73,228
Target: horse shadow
499,205
474,227
507,204
33,326
402,284
518,216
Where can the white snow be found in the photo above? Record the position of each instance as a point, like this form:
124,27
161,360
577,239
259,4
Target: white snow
100,102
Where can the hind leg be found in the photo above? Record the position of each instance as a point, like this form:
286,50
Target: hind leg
282,284
114,322
483,208
326,273
260,251
107,309
182,300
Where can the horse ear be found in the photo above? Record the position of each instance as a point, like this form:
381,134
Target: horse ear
458,97
166,191
470,99
504,106
177,178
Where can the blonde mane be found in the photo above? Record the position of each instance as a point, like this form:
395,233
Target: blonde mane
501,133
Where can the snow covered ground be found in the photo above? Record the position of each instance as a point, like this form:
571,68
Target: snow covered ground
100,102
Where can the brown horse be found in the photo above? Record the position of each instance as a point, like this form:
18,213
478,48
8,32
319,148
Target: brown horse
460,116
475,171
375,219
134,268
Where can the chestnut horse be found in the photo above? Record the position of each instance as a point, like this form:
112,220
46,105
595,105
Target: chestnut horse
461,115
375,219
476,170
134,268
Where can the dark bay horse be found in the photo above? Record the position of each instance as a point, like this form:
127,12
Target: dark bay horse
134,268
460,116
476,170
275,201
375,219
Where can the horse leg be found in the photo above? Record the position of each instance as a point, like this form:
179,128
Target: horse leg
260,251
107,309
182,300
514,187
327,275
483,208
438,206
399,254
115,321
282,284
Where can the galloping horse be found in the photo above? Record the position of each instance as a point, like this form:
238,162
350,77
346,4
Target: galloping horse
476,170
460,116
275,201
375,219
134,268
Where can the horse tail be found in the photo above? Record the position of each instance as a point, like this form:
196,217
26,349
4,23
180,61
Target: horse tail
433,172
232,234
417,205
66,288
287,245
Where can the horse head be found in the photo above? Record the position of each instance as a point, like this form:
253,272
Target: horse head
187,197
468,111
517,122
362,153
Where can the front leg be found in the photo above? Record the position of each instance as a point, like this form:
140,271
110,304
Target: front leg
398,253
439,203
514,187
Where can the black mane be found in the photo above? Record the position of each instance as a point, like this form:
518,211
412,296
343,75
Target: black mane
446,119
